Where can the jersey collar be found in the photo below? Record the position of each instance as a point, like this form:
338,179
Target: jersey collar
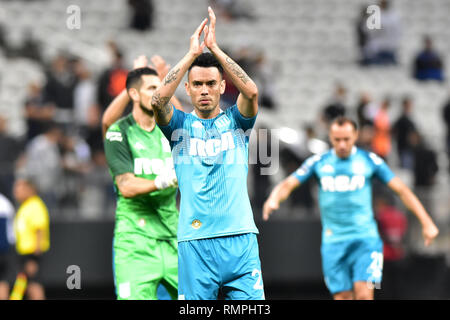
194,114
354,149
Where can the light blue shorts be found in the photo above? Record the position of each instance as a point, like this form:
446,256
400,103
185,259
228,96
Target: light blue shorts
350,261
230,264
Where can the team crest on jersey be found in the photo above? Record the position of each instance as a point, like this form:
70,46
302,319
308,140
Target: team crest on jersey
196,224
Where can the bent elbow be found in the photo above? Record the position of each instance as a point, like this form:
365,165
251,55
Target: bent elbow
127,193
253,94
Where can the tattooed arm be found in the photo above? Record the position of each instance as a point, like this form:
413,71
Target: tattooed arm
247,101
161,97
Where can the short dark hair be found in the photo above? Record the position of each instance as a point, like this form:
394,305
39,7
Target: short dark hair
341,120
134,77
206,60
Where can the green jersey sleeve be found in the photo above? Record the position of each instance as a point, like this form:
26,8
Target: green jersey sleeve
117,151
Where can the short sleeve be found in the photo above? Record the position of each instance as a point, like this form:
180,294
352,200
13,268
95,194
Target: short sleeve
243,122
381,169
176,122
117,151
306,170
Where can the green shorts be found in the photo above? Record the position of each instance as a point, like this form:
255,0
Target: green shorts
141,264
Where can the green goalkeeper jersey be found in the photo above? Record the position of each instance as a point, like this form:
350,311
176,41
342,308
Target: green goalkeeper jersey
129,148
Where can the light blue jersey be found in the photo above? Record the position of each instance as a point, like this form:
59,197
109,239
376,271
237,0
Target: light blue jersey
345,192
211,164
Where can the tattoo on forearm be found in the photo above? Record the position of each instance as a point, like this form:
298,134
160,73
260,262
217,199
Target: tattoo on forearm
237,70
160,105
171,76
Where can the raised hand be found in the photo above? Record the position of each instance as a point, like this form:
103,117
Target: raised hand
196,46
160,66
140,62
210,32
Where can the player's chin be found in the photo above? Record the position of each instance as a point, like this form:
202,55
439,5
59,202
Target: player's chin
343,154
205,106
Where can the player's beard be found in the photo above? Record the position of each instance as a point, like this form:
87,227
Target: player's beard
147,111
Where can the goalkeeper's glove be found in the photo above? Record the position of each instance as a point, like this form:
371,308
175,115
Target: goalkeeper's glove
166,180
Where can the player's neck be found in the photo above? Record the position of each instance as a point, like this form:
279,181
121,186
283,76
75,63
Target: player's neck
144,120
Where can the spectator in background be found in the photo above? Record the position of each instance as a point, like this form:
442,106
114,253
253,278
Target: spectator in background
446,116
231,10
37,112
31,227
428,64
362,33
59,88
365,110
112,80
264,76
392,225
76,157
365,137
7,240
42,159
84,96
87,112
142,14
425,161
401,130
424,170
381,143
336,107
382,44
10,149
97,197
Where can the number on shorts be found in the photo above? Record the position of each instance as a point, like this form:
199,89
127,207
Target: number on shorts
377,263
258,285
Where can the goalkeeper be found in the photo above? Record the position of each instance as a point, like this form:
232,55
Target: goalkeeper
140,162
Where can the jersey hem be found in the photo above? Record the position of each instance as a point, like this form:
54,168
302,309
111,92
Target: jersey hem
220,235
352,237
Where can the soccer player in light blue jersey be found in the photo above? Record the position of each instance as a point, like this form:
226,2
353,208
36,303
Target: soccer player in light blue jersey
352,255
218,249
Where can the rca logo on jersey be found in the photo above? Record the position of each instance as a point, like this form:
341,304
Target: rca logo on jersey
152,166
342,183
211,147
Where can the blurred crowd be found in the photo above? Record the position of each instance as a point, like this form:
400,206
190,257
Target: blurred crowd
63,145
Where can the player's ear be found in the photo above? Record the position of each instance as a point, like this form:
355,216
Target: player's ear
186,86
223,85
134,94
